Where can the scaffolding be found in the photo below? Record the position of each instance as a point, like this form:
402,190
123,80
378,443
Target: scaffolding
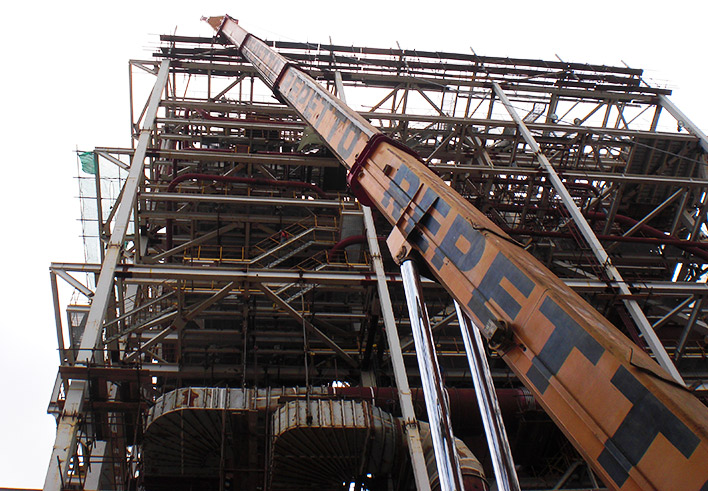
235,333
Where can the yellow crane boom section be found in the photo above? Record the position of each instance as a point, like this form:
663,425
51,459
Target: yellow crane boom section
621,411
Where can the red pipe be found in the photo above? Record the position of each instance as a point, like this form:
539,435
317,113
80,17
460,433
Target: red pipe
203,113
530,180
155,152
696,248
464,410
273,152
690,246
351,240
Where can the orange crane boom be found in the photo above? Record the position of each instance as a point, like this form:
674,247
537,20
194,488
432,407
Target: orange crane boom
637,427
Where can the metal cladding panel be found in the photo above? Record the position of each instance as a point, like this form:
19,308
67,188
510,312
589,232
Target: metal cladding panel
200,398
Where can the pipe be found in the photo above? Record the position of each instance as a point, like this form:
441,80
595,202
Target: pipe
205,114
695,248
351,240
274,152
247,180
530,181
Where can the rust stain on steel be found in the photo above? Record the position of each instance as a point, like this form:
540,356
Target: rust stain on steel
189,397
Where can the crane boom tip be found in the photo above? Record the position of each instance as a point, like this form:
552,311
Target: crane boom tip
216,22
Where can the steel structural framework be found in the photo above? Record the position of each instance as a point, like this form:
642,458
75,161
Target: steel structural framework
238,290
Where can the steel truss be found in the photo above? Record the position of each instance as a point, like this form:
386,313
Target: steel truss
235,256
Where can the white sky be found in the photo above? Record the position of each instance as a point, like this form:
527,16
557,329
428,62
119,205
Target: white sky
64,79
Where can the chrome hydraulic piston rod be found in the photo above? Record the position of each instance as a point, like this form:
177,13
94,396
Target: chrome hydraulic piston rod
497,441
436,404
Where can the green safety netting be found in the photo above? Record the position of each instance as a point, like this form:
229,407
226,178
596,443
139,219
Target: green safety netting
88,162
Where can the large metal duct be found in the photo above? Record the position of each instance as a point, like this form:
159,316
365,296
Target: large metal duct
322,444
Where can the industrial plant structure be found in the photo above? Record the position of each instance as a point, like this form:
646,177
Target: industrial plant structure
244,323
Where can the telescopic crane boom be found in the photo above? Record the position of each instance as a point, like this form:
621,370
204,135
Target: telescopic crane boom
627,416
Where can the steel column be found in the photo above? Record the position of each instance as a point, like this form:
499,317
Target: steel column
57,319
65,442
